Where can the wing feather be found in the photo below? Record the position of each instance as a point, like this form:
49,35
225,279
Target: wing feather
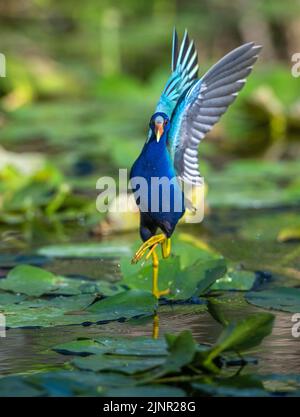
184,67
203,105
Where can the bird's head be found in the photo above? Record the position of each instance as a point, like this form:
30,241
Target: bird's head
159,124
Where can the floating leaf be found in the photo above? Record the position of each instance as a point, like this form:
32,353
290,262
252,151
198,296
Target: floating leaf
125,364
139,346
74,310
135,276
236,386
235,280
283,299
12,386
47,313
127,304
34,281
146,391
68,383
29,280
86,250
7,298
194,280
197,279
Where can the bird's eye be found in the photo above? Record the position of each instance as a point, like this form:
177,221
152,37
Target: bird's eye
166,122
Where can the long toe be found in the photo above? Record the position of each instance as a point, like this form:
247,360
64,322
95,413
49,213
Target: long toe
159,294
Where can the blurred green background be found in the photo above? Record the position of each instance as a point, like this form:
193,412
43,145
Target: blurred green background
83,78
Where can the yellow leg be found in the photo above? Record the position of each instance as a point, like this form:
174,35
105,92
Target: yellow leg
155,330
155,290
151,245
166,248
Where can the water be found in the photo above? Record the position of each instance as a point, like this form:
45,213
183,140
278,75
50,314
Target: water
27,350
24,350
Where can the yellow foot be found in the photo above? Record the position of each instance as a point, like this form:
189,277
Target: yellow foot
154,240
159,294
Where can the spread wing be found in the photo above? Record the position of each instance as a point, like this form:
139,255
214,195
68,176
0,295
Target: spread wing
184,73
204,104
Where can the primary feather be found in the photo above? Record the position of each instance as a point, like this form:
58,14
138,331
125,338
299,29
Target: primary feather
203,105
184,73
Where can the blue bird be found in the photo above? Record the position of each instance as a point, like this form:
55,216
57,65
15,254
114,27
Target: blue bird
187,110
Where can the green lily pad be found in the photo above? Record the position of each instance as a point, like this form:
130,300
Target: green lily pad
235,280
288,385
283,299
135,276
86,250
126,364
29,280
197,279
127,304
237,386
146,391
7,298
12,386
138,346
34,281
74,310
47,313
64,383
194,280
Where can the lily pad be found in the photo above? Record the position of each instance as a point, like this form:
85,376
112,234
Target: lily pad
29,280
7,298
146,391
235,280
47,313
12,386
194,280
34,281
86,250
237,386
64,383
124,305
283,299
126,364
139,346
74,310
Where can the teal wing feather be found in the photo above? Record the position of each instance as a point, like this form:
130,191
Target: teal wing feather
203,105
184,73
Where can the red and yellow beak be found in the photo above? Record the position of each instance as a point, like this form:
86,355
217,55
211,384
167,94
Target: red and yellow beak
159,130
